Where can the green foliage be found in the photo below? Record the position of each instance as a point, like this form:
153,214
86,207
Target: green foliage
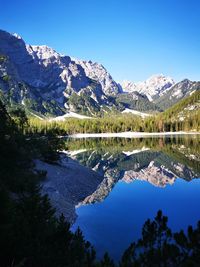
3,58
167,121
6,78
9,98
2,97
170,120
110,123
83,104
19,116
181,105
31,104
141,103
49,107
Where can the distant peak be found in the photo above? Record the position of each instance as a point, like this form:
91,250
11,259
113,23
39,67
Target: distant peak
159,76
153,86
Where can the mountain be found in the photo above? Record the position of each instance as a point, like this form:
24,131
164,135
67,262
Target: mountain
158,176
157,164
136,101
97,72
162,92
188,107
176,93
48,82
153,87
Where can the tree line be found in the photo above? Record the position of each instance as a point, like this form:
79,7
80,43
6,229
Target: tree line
177,118
114,124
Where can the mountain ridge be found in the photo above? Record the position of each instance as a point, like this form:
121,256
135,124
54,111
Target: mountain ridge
45,81
154,86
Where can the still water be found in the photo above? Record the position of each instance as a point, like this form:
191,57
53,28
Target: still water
141,176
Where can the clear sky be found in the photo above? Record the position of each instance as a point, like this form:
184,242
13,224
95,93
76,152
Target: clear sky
133,39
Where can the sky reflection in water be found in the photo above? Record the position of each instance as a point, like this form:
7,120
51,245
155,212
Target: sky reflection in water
113,218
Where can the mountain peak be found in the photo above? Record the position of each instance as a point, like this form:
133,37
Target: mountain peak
154,86
53,83
97,71
52,77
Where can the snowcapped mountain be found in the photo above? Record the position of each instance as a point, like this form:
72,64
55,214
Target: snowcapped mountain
153,87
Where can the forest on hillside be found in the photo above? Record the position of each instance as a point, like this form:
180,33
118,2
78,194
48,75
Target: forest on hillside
180,117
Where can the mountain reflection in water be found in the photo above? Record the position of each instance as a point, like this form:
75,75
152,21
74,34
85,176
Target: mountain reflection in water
125,164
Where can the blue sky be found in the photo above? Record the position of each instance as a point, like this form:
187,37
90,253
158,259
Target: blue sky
132,39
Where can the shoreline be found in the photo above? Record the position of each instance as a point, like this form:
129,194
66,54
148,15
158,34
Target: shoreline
130,134
67,184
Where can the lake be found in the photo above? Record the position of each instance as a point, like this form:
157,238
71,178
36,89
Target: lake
141,176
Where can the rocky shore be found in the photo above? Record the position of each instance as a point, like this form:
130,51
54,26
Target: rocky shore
67,183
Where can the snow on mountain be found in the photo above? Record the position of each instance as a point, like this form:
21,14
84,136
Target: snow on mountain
177,92
128,86
182,88
69,115
135,112
50,83
153,87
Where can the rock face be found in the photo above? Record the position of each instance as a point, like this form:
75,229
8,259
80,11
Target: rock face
161,91
153,87
97,72
156,175
67,184
54,78
52,84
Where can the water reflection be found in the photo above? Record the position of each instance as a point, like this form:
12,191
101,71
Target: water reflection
159,161
140,176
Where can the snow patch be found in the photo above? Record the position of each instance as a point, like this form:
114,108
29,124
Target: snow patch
135,112
69,115
130,134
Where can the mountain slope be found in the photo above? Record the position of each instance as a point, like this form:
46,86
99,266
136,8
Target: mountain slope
51,78
136,101
97,72
46,82
185,107
176,93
